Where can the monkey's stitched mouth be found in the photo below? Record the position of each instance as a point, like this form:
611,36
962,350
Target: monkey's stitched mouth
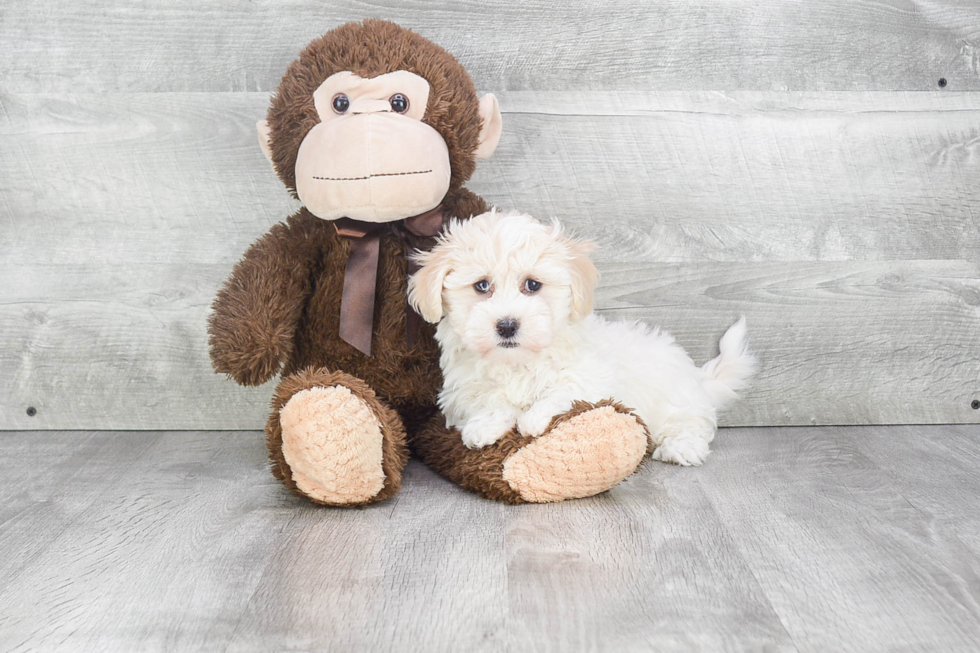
380,174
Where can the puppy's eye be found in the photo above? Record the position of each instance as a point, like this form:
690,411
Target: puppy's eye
399,103
340,103
531,286
482,286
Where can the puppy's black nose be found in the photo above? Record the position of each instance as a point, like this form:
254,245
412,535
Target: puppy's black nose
507,327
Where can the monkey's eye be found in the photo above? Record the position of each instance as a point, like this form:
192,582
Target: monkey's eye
531,286
399,103
341,103
482,286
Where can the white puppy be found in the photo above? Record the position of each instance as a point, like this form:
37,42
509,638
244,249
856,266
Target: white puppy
520,342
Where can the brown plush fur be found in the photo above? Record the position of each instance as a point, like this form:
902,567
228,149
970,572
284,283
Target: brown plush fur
280,307
481,470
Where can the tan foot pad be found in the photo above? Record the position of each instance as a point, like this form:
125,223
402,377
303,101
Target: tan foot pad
332,443
580,457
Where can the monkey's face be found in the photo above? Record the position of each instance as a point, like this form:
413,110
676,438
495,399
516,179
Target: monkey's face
377,123
371,157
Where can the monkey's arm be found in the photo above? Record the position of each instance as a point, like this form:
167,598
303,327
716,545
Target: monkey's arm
254,316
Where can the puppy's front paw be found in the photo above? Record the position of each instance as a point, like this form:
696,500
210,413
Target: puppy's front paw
486,428
536,419
682,450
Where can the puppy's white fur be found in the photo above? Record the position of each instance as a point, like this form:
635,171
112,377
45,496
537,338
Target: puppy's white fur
561,351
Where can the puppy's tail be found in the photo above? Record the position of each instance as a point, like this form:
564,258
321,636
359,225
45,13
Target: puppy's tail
730,372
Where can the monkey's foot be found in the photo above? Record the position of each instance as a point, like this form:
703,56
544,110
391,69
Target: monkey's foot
332,441
586,451
582,454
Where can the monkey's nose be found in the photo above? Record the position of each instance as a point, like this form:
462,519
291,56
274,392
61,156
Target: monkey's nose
507,327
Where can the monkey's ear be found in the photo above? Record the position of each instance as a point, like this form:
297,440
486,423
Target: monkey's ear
265,138
490,126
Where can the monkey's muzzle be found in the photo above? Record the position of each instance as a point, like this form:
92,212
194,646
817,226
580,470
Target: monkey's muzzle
373,167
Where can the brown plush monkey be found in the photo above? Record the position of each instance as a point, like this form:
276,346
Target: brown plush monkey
375,129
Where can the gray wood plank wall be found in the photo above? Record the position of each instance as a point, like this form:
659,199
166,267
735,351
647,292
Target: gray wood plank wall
795,162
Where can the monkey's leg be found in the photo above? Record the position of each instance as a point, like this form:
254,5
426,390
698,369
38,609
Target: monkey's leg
588,450
333,441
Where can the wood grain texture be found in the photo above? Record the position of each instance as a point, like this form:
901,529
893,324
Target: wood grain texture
647,566
806,539
416,565
935,471
228,45
838,546
103,570
748,176
50,479
842,224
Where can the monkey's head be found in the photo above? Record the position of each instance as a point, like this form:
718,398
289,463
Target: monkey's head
376,123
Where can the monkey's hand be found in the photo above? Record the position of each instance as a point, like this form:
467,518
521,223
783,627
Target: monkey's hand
255,314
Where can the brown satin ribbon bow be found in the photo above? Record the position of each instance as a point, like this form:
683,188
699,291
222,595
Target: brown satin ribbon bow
361,274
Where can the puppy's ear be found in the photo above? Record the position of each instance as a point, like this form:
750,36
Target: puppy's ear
425,286
585,276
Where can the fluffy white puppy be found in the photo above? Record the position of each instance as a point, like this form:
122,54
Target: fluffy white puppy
520,343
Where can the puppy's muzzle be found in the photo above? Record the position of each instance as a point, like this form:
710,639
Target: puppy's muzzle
507,329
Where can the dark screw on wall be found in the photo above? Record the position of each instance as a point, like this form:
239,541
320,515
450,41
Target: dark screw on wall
31,411
942,82
975,404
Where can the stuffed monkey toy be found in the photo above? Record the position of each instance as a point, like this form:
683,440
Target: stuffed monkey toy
375,130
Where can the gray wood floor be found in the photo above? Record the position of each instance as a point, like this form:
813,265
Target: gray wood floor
810,539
